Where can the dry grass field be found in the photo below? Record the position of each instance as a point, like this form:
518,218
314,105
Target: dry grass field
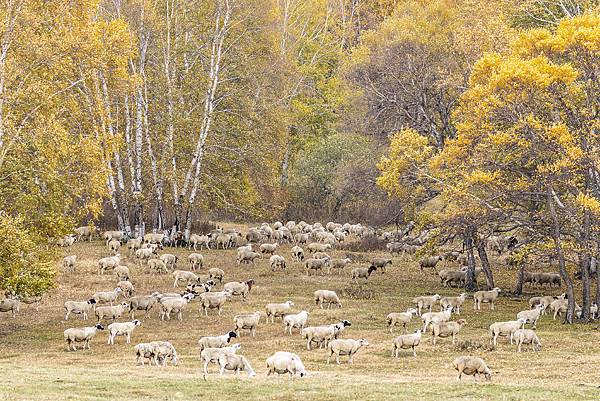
35,365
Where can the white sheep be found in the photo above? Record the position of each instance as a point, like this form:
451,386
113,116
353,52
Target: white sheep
235,362
425,302
121,329
213,300
277,261
211,355
143,302
285,362
297,253
323,334
275,310
406,341
505,329
111,312
82,334
295,321
446,329
196,261
435,317
531,316
216,274
344,347
326,296
122,272
242,288
339,264
395,318
183,275
454,302
248,321
107,296
216,341
79,308
10,305
164,350
69,263
108,263
157,265
174,305
485,296
527,336
470,365
126,287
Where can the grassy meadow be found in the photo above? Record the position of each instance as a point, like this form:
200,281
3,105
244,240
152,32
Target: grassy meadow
36,366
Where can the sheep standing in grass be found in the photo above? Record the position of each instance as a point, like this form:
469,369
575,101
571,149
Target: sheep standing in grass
182,275
108,263
344,347
295,321
145,351
470,365
425,302
277,261
134,244
164,350
213,300
362,272
446,329
79,308
114,246
144,254
216,274
323,334
505,329
157,265
242,288
435,317
397,318
174,305
285,362
69,263
247,257
429,262
316,265
531,316
170,260
454,302
196,261
111,312
126,287
327,296
235,362
107,296
527,336
83,334
485,297
406,341
246,321
10,305
297,253
143,302
217,341
122,272
380,263
278,310
121,329
269,249
211,355
339,264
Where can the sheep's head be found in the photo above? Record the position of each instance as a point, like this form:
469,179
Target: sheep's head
91,301
461,322
136,322
231,334
124,304
99,327
412,311
346,323
289,303
363,342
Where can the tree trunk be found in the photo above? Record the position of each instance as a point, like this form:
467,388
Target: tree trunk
471,283
519,287
485,264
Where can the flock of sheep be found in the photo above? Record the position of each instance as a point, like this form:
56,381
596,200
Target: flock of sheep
310,246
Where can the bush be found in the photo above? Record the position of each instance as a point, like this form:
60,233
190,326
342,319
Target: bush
367,244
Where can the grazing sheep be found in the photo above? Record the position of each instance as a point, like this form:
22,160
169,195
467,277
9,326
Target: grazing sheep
545,301
454,302
275,310
453,278
143,302
296,320
85,232
114,246
435,317
317,247
188,277
247,257
211,355
505,329
560,307
134,244
113,235
83,334
321,255
301,238
28,300
235,362
126,287
396,318
79,308
170,260
297,253
213,300
157,265
425,302
406,341
380,263
108,263
248,321
107,296
285,362
174,305
552,279
339,264
430,262
66,241
526,336
196,261
323,334
277,261
10,305
470,365
196,240
122,272
344,347
144,254
327,296
154,238
145,351
121,329
531,316
216,274
242,288
268,249
446,329
164,350
394,248
217,341
362,272
485,296
69,263
316,265
111,312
